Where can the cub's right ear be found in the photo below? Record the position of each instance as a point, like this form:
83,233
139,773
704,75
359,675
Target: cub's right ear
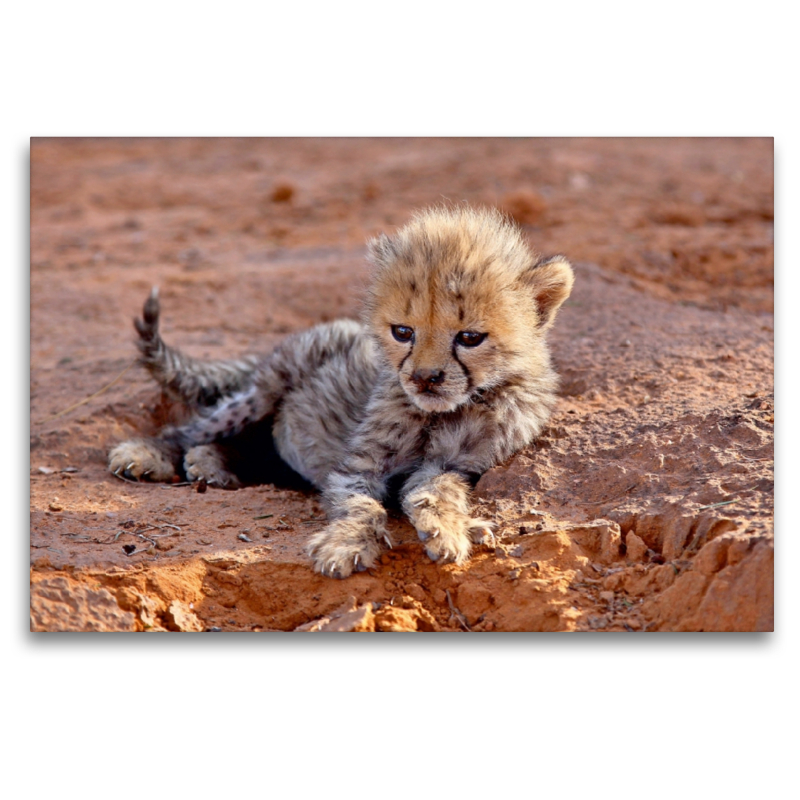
380,251
551,282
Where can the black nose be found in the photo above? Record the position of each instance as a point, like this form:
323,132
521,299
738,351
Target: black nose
424,379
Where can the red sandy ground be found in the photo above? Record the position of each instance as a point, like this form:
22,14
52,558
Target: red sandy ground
646,505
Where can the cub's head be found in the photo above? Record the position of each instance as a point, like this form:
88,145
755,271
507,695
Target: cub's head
460,304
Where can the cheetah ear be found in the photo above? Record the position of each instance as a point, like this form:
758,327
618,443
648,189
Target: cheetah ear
551,282
380,251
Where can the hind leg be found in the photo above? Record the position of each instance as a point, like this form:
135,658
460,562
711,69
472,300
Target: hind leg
157,460
207,462
189,449
144,459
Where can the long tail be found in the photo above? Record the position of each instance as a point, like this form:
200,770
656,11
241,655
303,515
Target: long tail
197,383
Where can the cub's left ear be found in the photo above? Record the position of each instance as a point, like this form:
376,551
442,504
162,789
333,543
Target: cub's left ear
551,282
381,251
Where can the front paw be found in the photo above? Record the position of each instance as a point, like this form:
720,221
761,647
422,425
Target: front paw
452,541
448,532
140,459
344,547
206,463
448,546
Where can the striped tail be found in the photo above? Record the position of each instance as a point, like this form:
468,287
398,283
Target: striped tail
198,384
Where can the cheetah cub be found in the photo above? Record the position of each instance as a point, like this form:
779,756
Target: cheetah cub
448,374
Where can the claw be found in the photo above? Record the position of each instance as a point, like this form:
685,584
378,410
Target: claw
388,541
133,463
435,534
421,502
355,561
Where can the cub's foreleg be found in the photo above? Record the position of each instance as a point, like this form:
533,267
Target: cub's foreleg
356,532
437,504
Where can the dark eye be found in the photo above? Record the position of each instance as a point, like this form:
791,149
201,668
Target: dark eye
402,333
470,338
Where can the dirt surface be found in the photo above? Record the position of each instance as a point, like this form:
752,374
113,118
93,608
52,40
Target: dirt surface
647,505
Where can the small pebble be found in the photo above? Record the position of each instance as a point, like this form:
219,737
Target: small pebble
282,193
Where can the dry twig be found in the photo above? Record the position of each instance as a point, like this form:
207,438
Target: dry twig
456,613
91,396
717,505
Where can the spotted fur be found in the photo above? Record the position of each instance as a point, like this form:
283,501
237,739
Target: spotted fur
448,374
